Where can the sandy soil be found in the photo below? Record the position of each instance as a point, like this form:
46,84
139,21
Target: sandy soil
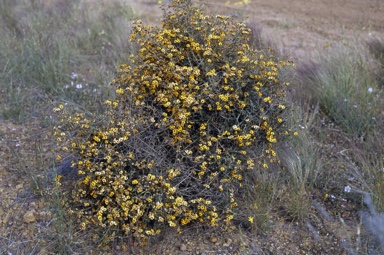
297,26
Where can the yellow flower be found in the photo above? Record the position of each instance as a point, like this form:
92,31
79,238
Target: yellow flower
159,206
211,73
184,221
120,91
250,219
267,99
58,178
171,223
223,97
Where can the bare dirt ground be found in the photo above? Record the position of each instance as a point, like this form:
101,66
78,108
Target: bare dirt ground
298,27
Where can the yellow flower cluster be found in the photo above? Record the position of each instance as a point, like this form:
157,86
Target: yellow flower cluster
191,108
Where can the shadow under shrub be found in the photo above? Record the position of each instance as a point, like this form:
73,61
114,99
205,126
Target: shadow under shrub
196,109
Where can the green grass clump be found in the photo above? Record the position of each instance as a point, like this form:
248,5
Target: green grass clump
47,50
196,110
376,48
343,84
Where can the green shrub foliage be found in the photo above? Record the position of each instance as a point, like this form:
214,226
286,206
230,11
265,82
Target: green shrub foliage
195,109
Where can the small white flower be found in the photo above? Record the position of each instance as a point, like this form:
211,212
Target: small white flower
370,90
79,86
74,75
347,189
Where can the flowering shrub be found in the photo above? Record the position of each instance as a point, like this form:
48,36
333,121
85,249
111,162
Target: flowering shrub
195,109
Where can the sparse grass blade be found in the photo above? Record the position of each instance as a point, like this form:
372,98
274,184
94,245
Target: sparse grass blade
374,222
259,197
43,44
370,168
303,164
347,92
376,48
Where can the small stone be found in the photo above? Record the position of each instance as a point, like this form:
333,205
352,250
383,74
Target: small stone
43,251
213,239
45,216
183,247
26,233
6,218
228,242
29,216
19,186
